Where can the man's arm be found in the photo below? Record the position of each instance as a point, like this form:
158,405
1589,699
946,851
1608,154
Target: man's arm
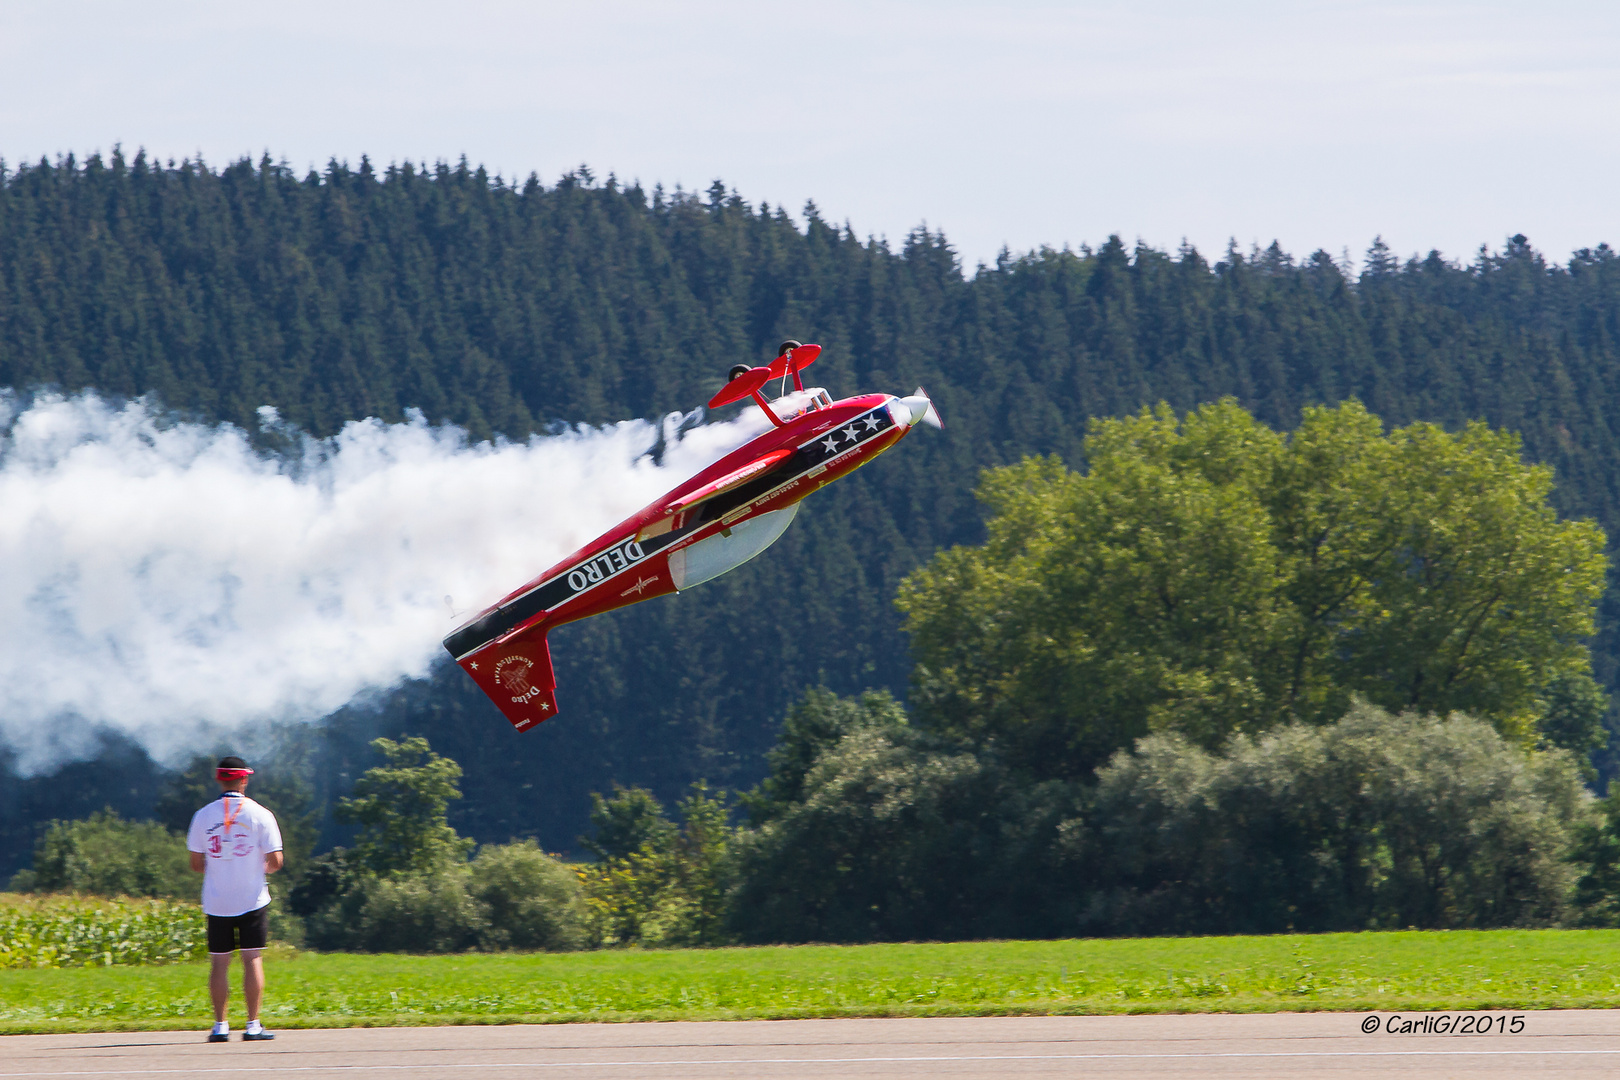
194,846
270,843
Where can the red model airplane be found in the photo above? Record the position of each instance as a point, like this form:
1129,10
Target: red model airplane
717,520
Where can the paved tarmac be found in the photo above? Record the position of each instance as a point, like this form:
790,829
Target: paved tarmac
1562,1044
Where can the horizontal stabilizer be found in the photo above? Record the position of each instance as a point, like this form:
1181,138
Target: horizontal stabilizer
516,674
793,361
740,387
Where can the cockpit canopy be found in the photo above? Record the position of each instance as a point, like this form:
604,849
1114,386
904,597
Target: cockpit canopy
796,403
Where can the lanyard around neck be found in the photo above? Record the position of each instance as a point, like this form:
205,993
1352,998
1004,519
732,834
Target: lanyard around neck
231,809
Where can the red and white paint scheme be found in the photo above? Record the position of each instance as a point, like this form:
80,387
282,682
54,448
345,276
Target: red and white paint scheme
714,522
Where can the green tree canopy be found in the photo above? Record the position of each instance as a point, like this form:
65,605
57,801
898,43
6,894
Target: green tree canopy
814,725
628,821
107,856
658,883
1209,575
401,808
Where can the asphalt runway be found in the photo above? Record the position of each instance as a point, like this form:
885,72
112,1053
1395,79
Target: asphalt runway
1572,1043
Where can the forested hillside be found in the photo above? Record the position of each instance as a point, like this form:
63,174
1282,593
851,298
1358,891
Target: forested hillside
511,307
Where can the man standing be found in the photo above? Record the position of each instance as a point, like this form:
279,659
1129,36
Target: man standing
234,843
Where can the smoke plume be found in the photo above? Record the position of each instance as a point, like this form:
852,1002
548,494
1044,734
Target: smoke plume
169,579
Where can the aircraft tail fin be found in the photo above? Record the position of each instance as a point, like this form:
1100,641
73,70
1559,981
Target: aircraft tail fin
515,672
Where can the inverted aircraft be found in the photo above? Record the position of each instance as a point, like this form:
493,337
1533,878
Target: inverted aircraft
714,522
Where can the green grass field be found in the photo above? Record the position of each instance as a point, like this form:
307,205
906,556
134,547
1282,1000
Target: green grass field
1503,969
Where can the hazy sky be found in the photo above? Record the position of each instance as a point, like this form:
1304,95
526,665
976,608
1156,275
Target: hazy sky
1318,124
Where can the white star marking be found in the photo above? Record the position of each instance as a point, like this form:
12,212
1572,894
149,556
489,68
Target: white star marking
832,447
544,707
871,423
475,665
850,433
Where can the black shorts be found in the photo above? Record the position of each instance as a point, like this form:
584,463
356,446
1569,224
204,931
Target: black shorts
250,930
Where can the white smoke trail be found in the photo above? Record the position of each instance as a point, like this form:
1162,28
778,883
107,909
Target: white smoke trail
163,579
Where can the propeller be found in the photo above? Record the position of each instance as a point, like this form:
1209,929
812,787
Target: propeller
922,409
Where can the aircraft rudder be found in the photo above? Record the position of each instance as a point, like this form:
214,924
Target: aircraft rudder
517,675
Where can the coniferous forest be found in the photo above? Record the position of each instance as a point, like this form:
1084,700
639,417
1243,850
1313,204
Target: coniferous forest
511,307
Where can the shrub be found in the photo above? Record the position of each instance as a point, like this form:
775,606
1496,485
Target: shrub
532,900
418,913
107,856
1373,821
870,830
892,839
431,912
672,888
1597,855
513,896
104,855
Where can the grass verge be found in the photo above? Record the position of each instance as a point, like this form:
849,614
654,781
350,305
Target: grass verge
1499,969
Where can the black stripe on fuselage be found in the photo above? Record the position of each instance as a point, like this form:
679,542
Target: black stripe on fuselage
558,590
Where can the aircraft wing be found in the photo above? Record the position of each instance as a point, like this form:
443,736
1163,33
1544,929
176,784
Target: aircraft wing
734,479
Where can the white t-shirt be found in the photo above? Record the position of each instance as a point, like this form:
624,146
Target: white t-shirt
233,881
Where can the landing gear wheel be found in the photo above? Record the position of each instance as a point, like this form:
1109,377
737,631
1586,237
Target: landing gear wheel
786,345
738,369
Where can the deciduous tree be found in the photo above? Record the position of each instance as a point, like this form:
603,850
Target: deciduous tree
400,807
1207,575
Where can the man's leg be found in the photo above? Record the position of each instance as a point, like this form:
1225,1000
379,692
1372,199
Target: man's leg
219,983
253,981
255,935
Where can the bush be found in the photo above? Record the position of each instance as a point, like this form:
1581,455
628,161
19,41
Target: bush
870,830
407,886
670,889
1374,821
533,901
893,839
105,855
1597,854
512,896
877,846
431,912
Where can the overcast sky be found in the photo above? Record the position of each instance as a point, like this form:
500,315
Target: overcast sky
1021,124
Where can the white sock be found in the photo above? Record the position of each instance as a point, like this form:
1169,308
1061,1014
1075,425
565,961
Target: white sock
254,1027
221,1027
